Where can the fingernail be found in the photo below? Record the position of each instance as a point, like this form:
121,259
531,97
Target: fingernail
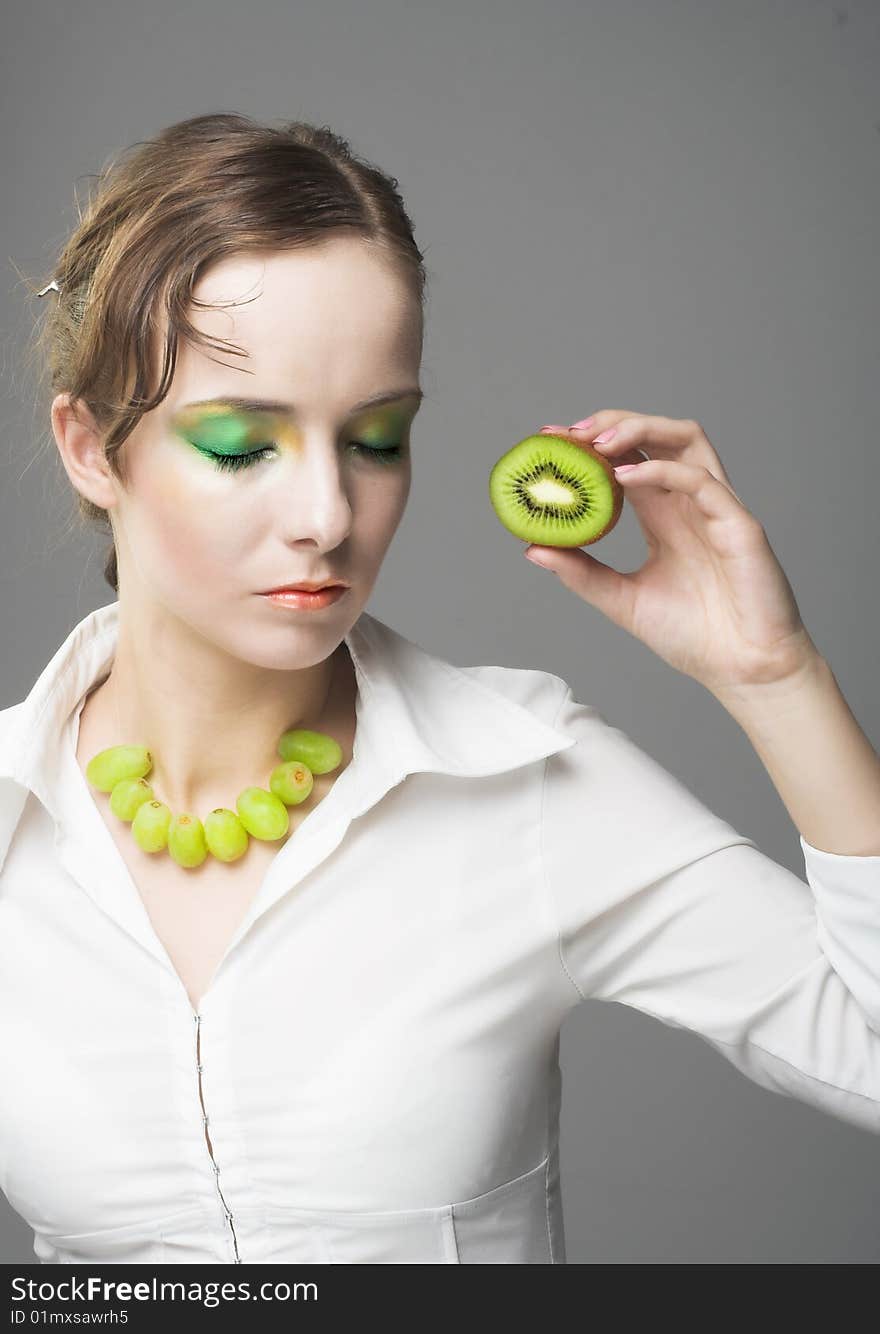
555,429
583,425
605,436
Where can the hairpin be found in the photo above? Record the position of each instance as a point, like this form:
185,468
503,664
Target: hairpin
50,287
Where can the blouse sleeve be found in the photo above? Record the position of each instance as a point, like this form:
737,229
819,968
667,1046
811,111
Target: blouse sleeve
663,906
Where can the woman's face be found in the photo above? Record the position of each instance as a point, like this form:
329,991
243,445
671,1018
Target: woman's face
225,501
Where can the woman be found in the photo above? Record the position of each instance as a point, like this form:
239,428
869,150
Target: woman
342,1045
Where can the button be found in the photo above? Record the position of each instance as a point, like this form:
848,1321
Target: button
200,1068
205,1118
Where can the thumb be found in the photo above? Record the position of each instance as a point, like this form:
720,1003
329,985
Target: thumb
600,585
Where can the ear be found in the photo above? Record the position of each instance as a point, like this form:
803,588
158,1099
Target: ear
81,448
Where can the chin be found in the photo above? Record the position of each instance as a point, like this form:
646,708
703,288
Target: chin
287,640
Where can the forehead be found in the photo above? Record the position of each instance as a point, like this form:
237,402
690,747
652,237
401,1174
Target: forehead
325,327
316,305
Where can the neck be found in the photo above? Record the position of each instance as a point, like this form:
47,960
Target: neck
212,722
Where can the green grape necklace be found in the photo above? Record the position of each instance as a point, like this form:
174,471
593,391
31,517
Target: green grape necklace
225,834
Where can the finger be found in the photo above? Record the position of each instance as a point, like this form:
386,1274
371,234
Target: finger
600,585
713,499
600,421
669,437
630,456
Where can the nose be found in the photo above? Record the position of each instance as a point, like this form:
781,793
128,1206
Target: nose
314,506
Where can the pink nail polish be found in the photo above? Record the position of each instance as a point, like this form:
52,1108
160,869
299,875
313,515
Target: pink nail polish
583,425
605,436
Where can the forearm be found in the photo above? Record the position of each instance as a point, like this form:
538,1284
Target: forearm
820,761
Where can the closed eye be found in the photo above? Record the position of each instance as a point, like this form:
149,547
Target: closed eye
382,454
232,462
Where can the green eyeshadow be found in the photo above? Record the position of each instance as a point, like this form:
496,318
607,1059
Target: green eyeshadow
235,439
224,432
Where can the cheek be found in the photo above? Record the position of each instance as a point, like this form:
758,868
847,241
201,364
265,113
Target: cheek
189,524
379,508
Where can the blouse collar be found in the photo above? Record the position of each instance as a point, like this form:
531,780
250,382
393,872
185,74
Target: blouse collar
416,712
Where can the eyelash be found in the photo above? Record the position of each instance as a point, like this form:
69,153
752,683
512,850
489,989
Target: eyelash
234,462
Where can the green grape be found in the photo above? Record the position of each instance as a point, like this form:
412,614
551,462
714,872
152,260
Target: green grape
127,795
225,835
105,769
149,827
292,781
186,840
262,813
319,751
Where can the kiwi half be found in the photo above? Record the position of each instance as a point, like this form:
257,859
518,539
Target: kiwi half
548,490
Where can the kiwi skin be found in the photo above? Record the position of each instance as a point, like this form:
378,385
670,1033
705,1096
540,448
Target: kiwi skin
617,493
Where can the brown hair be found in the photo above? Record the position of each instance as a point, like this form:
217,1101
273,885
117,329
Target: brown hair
163,211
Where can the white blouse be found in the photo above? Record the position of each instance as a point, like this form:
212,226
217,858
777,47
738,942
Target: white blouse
378,1050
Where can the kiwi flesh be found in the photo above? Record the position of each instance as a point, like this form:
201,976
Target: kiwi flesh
551,491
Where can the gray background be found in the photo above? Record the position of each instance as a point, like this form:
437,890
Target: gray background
664,207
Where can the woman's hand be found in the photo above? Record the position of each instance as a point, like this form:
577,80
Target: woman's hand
711,598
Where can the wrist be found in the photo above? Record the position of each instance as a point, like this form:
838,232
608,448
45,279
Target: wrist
764,700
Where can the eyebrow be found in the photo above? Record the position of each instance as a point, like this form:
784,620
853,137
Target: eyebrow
279,406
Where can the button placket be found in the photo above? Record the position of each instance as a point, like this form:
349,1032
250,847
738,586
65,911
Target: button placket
227,1212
